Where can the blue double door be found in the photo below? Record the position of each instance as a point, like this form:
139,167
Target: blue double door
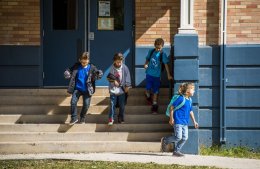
71,27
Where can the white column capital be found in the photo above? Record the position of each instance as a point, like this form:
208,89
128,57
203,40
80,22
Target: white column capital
186,17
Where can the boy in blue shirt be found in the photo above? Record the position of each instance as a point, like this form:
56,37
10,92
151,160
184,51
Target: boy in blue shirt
153,65
82,77
179,119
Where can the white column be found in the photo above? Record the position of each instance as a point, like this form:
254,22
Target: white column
186,19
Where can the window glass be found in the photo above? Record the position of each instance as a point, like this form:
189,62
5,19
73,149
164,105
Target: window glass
111,15
64,14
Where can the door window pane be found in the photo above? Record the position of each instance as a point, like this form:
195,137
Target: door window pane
64,14
111,15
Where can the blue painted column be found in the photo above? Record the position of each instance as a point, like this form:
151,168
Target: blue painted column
186,68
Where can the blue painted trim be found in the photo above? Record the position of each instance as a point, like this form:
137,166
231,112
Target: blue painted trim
186,45
22,66
242,106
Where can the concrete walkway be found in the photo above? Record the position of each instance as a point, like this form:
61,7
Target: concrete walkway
159,158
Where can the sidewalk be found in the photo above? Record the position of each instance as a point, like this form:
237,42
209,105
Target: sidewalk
159,158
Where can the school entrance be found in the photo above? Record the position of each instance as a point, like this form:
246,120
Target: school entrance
73,26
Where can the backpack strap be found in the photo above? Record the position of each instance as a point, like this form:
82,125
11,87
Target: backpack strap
160,59
174,98
180,105
150,56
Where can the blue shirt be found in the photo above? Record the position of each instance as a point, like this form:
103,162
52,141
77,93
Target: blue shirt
182,115
82,77
154,65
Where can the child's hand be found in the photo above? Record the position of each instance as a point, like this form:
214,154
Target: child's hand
196,125
171,121
116,83
169,77
145,66
126,89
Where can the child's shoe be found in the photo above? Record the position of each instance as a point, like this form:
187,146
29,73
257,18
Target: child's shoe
178,154
82,120
163,145
120,120
110,122
154,108
73,121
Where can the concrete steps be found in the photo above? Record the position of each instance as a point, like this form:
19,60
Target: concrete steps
36,121
78,147
59,110
82,136
65,101
64,119
88,127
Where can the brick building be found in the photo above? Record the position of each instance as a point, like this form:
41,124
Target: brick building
215,43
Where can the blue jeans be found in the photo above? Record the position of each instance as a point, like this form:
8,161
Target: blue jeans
179,137
121,101
74,100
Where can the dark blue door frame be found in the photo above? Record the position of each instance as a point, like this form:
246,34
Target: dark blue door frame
105,43
60,48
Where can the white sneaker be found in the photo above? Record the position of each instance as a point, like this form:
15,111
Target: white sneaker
110,123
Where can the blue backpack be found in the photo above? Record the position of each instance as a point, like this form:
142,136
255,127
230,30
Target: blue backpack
174,98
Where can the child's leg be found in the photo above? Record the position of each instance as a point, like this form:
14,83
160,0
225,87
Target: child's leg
184,133
113,100
155,100
73,105
85,107
177,135
149,83
174,138
156,86
121,108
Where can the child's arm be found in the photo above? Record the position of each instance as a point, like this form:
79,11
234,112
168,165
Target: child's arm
171,121
97,73
168,71
196,125
146,64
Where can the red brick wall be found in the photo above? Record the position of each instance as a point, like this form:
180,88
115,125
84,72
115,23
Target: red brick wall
160,18
243,22
156,18
20,22
207,21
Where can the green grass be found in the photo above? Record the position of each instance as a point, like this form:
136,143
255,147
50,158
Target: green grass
237,152
73,164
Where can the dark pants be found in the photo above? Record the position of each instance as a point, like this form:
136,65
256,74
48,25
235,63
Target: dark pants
74,100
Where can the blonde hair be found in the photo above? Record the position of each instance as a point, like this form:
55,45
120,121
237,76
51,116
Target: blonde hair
184,87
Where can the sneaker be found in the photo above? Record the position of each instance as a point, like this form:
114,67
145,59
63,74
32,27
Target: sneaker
177,154
163,145
82,120
111,121
73,121
154,108
120,120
